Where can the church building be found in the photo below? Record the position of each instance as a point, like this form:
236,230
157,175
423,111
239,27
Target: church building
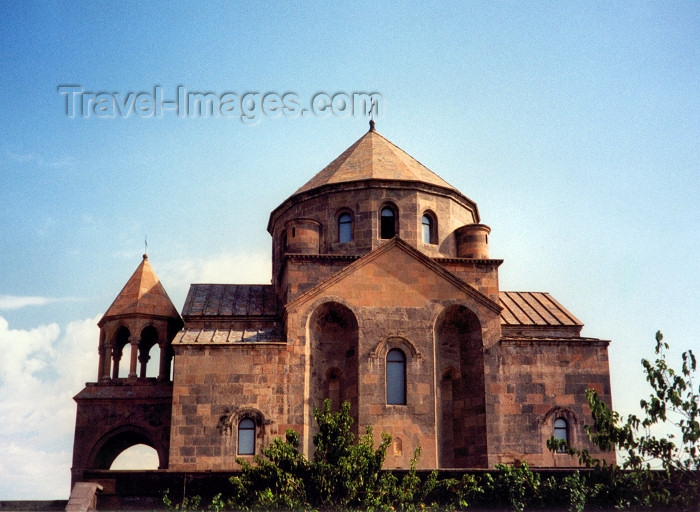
384,295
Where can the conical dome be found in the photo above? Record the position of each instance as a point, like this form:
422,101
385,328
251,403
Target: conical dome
373,157
142,295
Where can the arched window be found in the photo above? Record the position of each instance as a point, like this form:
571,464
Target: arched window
429,228
388,223
246,437
396,377
123,336
427,222
345,228
561,432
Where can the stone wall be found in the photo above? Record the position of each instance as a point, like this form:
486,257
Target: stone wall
529,384
217,386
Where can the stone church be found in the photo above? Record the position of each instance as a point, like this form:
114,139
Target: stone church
383,294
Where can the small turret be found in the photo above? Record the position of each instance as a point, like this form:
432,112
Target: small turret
473,241
303,236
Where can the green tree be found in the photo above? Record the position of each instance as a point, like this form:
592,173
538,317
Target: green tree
674,401
342,474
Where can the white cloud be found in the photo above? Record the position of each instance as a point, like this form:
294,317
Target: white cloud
40,372
30,473
244,268
17,301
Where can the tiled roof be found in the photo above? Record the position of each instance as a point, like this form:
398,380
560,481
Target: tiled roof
373,157
230,300
534,308
228,336
142,294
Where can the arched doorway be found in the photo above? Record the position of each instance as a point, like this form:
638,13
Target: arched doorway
119,440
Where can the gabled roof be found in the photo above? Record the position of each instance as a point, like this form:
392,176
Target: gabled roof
396,242
143,294
374,157
534,308
230,300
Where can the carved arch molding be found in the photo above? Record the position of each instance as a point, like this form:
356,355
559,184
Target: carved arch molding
233,415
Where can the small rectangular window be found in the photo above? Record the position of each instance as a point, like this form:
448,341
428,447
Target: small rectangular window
561,432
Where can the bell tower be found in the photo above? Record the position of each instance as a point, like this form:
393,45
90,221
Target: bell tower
141,317
126,407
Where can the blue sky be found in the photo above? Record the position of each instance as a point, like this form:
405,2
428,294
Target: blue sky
574,126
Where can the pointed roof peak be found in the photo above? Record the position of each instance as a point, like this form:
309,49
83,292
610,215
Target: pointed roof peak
374,157
143,294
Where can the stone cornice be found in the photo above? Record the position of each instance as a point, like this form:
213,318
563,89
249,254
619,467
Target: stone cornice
471,261
550,340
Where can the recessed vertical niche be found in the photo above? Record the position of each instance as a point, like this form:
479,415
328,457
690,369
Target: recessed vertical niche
461,395
334,335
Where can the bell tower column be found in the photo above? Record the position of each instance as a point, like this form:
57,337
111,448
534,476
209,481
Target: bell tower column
105,361
116,357
134,342
101,363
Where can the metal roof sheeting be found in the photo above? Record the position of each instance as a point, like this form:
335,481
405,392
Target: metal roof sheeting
534,308
230,300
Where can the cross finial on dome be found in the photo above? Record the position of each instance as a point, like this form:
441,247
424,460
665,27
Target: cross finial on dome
372,106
